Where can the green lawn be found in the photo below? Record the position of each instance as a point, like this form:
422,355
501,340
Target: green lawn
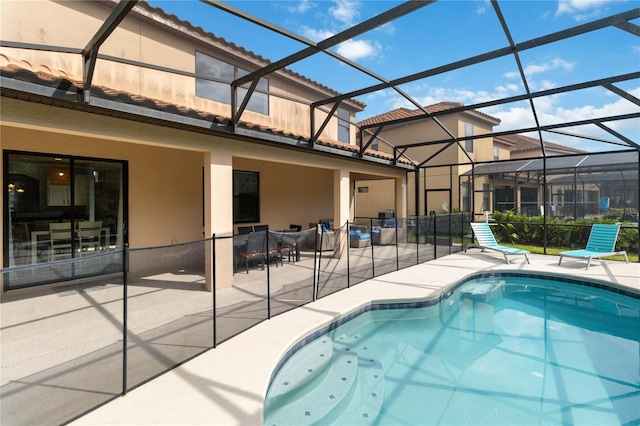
555,251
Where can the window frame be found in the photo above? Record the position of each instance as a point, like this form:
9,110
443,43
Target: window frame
468,131
344,125
238,217
260,98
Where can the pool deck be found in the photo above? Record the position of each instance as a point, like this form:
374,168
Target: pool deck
227,385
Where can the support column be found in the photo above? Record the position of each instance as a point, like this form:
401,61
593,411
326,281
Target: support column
401,197
401,206
218,215
342,197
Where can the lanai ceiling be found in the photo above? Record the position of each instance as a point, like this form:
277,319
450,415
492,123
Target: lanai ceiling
500,43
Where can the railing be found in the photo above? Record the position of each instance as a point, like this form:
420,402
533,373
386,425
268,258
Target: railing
74,347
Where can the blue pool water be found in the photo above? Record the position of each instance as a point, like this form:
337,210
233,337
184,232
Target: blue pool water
503,349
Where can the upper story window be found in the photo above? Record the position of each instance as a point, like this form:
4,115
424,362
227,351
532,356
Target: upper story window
220,91
468,131
343,125
496,153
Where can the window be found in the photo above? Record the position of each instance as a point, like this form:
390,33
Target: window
486,197
375,144
246,201
54,195
220,91
468,131
343,125
466,201
496,153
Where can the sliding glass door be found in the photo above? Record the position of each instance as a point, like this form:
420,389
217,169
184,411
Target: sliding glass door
64,215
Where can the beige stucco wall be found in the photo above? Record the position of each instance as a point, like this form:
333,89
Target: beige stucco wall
289,193
72,24
165,185
166,173
381,195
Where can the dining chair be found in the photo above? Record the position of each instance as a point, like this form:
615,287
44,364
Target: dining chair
243,230
59,240
255,248
258,228
89,235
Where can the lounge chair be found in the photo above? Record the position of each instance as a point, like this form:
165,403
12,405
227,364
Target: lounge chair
486,240
602,242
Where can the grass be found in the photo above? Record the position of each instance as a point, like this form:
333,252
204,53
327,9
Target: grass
555,251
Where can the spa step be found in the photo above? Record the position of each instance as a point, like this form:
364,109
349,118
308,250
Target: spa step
308,363
317,398
366,399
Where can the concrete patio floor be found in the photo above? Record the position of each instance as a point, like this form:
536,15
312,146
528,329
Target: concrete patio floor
227,385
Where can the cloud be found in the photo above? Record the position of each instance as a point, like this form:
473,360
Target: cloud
482,7
533,69
345,11
581,10
301,7
358,49
549,110
315,35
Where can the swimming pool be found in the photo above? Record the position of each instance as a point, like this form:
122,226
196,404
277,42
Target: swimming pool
504,348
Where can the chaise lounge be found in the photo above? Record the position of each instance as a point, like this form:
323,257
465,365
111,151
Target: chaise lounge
487,241
602,242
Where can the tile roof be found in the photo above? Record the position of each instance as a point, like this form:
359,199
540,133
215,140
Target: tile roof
401,113
45,76
521,143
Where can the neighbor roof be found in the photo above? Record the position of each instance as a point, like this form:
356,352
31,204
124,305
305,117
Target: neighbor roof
522,143
405,113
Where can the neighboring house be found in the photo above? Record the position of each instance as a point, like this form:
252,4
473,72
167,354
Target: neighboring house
150,151
521,192
448,184
438,183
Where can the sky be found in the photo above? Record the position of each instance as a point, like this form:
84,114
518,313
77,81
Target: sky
445,32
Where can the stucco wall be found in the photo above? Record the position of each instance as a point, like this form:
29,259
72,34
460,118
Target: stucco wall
165,185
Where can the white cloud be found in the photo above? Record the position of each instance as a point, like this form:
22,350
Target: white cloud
533,69
301,7
549,110
345,11
315,35
358,49
482,7
581,10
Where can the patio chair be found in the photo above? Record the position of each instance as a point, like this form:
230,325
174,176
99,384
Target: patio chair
258,247
602,242
289,245
486,240
255,248
243,230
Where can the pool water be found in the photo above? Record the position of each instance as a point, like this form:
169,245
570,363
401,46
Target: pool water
496,350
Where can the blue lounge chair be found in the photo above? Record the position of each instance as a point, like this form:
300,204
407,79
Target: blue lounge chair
602,242
486,240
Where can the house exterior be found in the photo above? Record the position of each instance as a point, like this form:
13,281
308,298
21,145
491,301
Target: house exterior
447,182
148,150
439,189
